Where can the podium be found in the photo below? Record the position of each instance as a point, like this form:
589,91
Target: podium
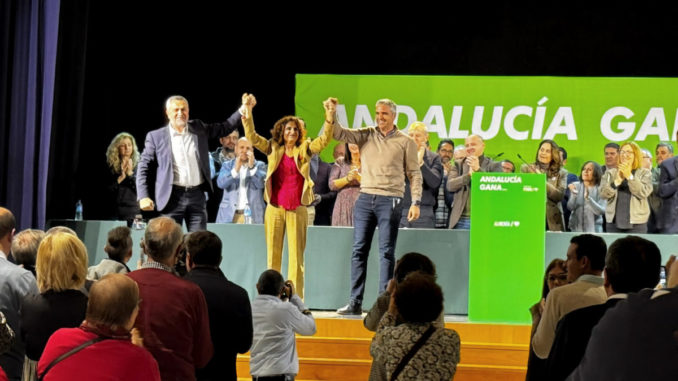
506,259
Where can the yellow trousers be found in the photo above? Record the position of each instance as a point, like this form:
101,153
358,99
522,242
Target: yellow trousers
276,222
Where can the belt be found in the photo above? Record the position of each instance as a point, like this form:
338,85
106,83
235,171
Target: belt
181,188
273,377
240,211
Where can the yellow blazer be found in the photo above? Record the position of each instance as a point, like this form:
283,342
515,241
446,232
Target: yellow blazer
302,156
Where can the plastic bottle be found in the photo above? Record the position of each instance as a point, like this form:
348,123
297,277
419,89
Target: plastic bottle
78,211
248,214
139,223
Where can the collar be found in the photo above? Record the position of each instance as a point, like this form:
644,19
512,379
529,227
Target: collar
174,132
390,133
597,280
621,295
151,264
3,255
269,298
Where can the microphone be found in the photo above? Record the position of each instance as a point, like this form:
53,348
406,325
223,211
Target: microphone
498,156
523,160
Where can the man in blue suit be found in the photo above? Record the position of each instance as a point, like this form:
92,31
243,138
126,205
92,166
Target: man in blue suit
242,180
176,161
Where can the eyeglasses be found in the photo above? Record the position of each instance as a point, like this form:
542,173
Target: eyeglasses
554,277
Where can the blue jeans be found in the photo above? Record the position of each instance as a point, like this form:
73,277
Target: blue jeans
463,223
190,205
372,211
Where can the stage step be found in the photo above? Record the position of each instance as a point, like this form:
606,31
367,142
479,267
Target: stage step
340,351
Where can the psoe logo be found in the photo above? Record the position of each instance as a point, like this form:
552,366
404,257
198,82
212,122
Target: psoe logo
506,224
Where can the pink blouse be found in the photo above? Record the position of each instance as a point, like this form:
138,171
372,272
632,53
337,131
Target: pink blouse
287,185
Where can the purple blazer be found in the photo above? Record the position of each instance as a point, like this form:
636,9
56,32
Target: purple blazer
156,159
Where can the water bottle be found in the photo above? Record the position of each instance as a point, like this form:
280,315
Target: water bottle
78,211
248,214
138,223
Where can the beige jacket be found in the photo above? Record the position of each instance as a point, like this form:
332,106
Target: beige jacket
640,187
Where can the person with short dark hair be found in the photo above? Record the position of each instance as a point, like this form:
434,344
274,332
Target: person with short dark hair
25,248
667,190
611,151
418,301
632,264
585,263
15,283
277,314
111,311
228,304
444,205
173,317
119,250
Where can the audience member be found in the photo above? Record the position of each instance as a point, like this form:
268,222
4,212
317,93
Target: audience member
107,349
173,318
25,248
586,203
632,264
119,250
407,264
388,156
459,180
61,269
15,283
242,180
417,349
122,157
585,262
548,162
230,314
626,189
555,276
345,180
444,197
277,314
289,188
432,174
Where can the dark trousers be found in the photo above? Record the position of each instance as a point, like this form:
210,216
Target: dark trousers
372,211
187,204
637,228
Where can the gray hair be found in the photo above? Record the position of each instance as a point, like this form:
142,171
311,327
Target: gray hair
175,98
163,236
668,146
25,246
647,152
388,103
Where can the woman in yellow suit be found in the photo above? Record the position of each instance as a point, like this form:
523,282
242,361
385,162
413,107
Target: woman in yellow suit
289,188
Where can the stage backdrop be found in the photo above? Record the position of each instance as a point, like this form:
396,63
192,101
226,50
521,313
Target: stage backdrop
512,114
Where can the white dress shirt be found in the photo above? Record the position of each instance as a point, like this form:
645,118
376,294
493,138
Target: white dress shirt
275,322
185,158
242,187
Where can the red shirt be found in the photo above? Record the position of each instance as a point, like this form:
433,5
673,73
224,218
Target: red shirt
174,323
288,184
108,359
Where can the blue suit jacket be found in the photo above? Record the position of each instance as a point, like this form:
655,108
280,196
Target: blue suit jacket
157,158
668,191
230,185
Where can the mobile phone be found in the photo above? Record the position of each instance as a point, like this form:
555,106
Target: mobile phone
662,276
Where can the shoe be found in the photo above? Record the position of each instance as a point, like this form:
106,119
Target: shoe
350,309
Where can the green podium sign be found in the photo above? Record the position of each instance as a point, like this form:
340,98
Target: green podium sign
506,260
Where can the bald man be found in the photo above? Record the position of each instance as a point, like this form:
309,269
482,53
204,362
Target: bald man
459,180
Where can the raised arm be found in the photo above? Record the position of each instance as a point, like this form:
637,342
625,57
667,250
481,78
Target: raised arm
432,173
258,141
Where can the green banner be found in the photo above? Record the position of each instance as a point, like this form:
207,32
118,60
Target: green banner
506,256
512,114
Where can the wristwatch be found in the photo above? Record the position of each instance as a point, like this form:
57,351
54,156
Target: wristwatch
416,202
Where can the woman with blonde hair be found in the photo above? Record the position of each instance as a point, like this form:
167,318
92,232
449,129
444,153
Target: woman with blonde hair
122,157
627,189
288,186
61,269
548,162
